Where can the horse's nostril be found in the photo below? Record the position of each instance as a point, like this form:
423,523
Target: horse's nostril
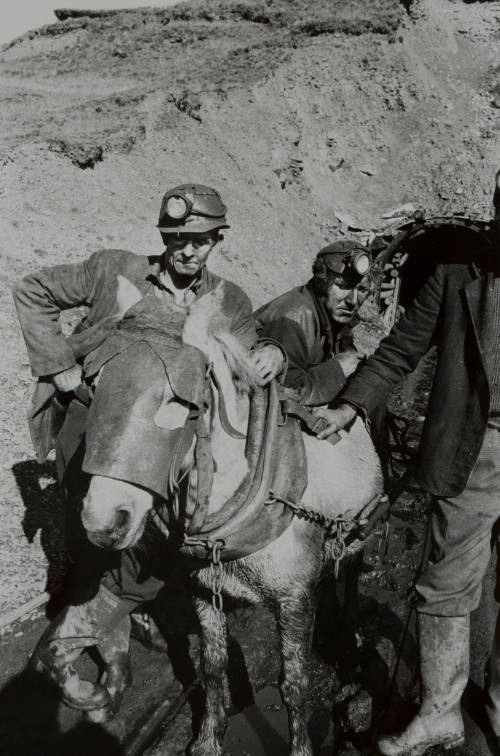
122,519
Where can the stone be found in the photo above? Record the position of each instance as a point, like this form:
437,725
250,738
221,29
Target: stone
402,210
347,220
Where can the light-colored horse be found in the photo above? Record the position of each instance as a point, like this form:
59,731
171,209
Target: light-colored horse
341,477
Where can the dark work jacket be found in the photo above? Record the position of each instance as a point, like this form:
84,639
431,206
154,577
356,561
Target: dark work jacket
109,282
299,322
454,310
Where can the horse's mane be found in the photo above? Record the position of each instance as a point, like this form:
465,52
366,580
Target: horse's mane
205,322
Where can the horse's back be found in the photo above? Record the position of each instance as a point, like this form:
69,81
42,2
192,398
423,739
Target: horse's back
342,476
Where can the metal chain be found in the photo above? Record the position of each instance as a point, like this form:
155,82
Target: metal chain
331,524
338,548
216,577
336,527
216,570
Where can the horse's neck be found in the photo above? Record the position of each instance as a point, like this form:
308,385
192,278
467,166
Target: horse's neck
228,452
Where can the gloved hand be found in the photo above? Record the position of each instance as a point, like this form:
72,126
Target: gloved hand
349,361
69,379
269,360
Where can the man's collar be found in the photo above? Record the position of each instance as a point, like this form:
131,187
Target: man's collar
161,277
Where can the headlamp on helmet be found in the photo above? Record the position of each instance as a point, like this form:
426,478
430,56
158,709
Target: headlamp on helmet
359,263
347,259
177,207
192,208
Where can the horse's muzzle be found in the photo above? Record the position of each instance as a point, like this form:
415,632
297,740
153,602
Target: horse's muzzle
115,537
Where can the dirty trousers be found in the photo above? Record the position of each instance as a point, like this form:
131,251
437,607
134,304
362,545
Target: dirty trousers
140,575
463,530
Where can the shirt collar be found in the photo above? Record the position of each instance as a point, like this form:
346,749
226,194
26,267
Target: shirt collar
161,278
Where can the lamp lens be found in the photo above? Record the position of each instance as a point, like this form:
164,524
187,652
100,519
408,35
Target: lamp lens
362,264
177,207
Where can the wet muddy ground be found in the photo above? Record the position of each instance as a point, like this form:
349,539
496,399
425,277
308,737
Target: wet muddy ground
363,670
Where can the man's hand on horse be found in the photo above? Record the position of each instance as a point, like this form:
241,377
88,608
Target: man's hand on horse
69,379
335,419
268,360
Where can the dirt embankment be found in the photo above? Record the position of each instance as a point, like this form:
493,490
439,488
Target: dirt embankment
312,118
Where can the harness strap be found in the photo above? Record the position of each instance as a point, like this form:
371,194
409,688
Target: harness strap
229,519
314,424
205,468
181,449
230,429
82,394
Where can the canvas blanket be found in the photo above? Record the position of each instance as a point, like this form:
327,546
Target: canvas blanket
122,439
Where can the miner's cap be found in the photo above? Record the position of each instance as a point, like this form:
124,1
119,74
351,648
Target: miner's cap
193,209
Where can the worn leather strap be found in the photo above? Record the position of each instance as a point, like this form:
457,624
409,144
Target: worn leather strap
205,475
314,424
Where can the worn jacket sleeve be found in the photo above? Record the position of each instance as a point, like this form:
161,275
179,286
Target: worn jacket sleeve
40,298
400,352
239,309
314,384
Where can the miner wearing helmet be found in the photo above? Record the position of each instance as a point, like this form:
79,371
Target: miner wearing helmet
111,283
458,464
314,321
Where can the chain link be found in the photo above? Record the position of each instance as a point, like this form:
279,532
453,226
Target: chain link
336,527
216,571
216,579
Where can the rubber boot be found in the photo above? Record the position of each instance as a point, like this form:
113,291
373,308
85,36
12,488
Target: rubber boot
73,630
492,684
114,649
444,669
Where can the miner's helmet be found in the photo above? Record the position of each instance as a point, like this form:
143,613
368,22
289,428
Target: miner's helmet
348,259
192,209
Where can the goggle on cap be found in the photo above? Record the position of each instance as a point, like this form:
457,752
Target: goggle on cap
347,258
192,209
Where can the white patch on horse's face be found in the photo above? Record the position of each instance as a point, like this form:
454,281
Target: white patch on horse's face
172,412
171,415
114,512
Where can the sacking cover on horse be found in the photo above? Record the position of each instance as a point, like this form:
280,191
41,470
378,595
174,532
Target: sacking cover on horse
141,363
138,361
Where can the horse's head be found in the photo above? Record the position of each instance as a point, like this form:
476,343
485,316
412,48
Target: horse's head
136,420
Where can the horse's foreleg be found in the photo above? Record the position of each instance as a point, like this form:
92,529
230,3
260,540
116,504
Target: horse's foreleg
214,665
296,620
